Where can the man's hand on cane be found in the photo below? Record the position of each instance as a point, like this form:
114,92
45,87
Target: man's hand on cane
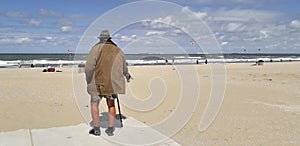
128,78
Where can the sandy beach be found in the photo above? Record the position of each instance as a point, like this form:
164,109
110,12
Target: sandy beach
31,99
261,105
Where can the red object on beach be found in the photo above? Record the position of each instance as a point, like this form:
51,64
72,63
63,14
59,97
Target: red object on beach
52,69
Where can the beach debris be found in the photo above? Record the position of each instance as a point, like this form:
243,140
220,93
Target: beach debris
51,69
260,62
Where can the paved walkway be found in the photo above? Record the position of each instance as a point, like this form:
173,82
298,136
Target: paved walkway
133,133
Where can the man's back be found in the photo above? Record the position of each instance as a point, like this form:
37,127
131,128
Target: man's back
109,70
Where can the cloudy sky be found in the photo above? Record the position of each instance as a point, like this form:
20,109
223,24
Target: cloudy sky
40,26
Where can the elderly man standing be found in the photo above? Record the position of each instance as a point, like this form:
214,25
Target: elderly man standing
105,69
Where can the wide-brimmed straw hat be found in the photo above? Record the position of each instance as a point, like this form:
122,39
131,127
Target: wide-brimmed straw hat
104,35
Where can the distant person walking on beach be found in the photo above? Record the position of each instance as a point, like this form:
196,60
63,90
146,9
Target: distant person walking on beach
105,70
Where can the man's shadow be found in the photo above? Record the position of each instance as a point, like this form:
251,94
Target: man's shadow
104,120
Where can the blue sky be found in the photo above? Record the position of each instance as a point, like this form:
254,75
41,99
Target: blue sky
40,26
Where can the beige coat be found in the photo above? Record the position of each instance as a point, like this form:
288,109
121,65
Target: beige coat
105,69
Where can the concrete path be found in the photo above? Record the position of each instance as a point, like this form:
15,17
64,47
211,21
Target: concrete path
133,133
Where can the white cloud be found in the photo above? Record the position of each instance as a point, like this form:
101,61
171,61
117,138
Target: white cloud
167,20
155,33
272,46
16,14
187,11
133,36
46,39
34,22
221,37
295,24
23,39
229,2
125,38
66,28
63,21
184,29
234,27
248,27
49,13
49,38
245,15
116,35
224,43
263,34
234,38
177,31
159,23
14,40
201,15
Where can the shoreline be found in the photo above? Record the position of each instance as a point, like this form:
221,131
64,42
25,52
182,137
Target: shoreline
27,60
160,63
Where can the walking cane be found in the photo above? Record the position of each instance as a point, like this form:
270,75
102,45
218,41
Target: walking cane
119,111
120,115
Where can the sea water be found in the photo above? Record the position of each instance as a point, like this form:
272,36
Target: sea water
42,60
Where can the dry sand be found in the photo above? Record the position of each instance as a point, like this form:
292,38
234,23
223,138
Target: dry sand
30,98
261,104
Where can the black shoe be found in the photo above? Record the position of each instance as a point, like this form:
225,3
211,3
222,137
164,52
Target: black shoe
110,131
95,132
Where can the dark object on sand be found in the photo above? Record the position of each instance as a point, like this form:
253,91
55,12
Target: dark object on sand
260,62
49,69
81,65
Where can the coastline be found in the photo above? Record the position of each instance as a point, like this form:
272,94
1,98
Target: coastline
261,103
43,60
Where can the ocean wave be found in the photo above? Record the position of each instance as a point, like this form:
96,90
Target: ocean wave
16,61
